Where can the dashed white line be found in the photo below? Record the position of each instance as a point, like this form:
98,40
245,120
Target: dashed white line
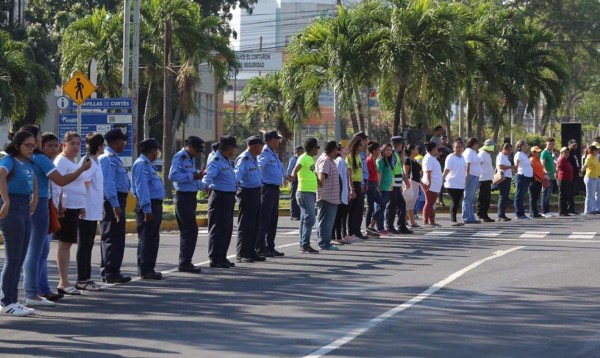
487,234
361,329
440,233
582,235
534,234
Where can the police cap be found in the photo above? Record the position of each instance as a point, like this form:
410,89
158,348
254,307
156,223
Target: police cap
227,141
396,139
254,140
272,135
149,144
361,135
299,148
115,134
196,143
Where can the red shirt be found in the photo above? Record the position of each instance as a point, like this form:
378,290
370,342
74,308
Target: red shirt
372,167
565,169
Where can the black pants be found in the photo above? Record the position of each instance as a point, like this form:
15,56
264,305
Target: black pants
185,213
396,206
484,199
456,196
148,238
85,244
572,193
248,220
564,194
294,207
535,190
220,224
356,209
269,216
341,220
112,236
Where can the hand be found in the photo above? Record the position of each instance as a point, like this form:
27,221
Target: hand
86,163
33,206
82,214
4,210
197,176
148,217
117,211
352,195
408,184
61,211
426,186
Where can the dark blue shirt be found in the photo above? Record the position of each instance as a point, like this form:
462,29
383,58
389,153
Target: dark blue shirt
146,184
246,171
21,181
219,174
182,173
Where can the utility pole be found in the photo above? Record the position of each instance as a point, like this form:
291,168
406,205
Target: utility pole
135,74
126,46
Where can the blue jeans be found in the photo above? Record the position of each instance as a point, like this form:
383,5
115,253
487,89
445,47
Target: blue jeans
504,197
546,194
522,185
307,202
16,228
590,194
468,213
325,221
43,284
39,232
385,198
373,197
598,194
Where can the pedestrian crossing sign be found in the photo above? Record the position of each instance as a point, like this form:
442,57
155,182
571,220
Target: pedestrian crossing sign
79,88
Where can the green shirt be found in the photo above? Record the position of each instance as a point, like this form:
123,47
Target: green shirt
307,179
548,162
387,176
357,173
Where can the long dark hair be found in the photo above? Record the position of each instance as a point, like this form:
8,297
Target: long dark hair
409,148
356,141
35,130
12,148
387,160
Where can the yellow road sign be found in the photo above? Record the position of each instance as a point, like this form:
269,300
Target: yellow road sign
79,88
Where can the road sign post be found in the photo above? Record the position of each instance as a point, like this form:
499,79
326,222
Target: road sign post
79,88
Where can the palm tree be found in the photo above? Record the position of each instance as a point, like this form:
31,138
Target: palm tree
98,36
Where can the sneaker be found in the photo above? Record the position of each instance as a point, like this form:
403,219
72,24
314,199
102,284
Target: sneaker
308,250
16,309
347,240
42,302
415,226
355,238
384,233
524,217
330,248
548,215
436,225
372,232
503,218
337,242
488,220
393,231
457,224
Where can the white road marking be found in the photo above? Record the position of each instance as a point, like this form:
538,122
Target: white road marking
582,235
487,234
361,329
440,233
534,234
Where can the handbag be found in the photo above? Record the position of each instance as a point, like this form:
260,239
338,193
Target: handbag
53,223
498,177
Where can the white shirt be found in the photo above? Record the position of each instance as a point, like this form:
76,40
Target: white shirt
432,164
472,158
502,159
487,168
457,177
94,197
343,169
73,195
524,165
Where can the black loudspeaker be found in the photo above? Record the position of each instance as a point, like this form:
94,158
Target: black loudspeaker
570,131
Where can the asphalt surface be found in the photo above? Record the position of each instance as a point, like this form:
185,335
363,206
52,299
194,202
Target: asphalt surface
518,289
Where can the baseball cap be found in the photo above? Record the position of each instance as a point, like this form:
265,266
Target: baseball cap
535,148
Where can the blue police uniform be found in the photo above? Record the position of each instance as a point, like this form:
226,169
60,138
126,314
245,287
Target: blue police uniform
149,190
112,232
186,190
250,181
294,207
220,179
273,174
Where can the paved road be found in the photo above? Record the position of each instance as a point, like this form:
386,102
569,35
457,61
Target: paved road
491,290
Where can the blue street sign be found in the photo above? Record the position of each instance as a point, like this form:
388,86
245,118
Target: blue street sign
100,123
104,103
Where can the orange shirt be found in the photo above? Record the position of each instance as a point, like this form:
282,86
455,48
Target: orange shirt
538,169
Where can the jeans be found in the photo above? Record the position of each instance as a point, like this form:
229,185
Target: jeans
43,284
355,210
597,194
455,196
307,202
535,189
373,197
468,213
504,197
564,192
380,209
16,228
37,241
484,199
294,207
590,194
325,221
546,195
522,184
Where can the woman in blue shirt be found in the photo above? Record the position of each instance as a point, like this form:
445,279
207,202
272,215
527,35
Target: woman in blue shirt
18,191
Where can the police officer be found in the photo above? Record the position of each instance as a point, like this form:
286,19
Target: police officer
187,182
294,207
150,192
250,183
220,179
272,175
112,226
396,205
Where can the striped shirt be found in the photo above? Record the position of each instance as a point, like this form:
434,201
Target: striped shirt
330,191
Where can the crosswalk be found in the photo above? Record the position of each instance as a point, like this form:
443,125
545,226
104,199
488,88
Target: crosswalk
513,235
